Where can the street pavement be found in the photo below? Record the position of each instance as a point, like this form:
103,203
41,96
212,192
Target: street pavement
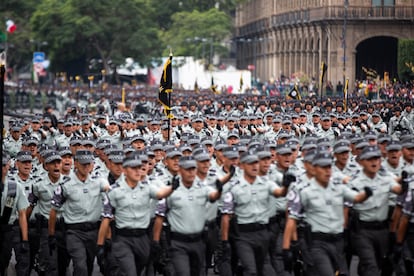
11,271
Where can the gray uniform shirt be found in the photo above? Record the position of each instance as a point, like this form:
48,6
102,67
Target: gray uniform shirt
82,201
131,205
185,208
42,194
322,208
250,202
374,208
19,203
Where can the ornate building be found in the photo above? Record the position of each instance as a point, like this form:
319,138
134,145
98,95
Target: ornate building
281,37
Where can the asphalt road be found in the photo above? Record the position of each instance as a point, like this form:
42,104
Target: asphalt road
12,272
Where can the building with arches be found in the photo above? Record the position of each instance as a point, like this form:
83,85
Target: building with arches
281,37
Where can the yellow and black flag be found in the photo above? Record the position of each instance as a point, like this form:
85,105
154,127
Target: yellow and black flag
346,95
295,93
241,83
324,68
196,88
213,87
166,87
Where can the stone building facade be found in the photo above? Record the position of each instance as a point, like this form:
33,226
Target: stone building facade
287,36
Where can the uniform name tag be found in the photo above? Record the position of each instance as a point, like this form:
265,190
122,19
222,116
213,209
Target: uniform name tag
85,191
254,192
9,202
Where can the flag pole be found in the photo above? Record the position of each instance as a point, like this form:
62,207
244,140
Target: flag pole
169,103
321,82
2,77
346,94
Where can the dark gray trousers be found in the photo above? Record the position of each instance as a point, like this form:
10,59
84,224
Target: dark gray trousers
11,239
81,246
252,249
188,258
132,253
327,258
371,246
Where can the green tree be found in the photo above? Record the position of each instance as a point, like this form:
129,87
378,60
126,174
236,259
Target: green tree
19,48
196,33
109,30
406,59
165,9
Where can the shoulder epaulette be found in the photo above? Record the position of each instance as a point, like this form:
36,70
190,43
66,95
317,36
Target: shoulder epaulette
65,179
382,172
115,185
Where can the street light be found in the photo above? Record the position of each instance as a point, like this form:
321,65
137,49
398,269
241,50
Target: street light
203,41
38,44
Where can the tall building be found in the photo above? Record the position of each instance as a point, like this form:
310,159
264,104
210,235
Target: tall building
283,37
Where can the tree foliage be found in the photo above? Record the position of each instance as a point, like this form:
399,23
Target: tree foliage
108,29
194,33
74,32
406,59
18,43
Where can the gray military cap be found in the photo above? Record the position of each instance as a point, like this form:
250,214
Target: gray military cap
370,152
322,159
187,162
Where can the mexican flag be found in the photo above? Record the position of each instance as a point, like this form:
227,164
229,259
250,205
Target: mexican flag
10,26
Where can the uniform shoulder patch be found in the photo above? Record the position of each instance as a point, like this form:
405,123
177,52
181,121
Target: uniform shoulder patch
228,197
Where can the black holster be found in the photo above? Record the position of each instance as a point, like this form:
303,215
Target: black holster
353,218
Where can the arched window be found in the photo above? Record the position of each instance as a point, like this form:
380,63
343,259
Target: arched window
387,3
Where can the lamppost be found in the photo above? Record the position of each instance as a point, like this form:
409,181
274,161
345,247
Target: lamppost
38,44
203,42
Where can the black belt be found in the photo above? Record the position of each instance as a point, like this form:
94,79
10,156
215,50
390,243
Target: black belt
373,225
327,237
186,237
211,224
85,226
410,228
136,232
278,218
251,227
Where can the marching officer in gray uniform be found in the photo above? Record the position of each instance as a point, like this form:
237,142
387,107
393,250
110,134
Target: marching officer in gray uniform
41,196
405,231
13,143
207,176
81,197
398,124
320,203
13,223
127,202
185,210
248,201
370,227
277,205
